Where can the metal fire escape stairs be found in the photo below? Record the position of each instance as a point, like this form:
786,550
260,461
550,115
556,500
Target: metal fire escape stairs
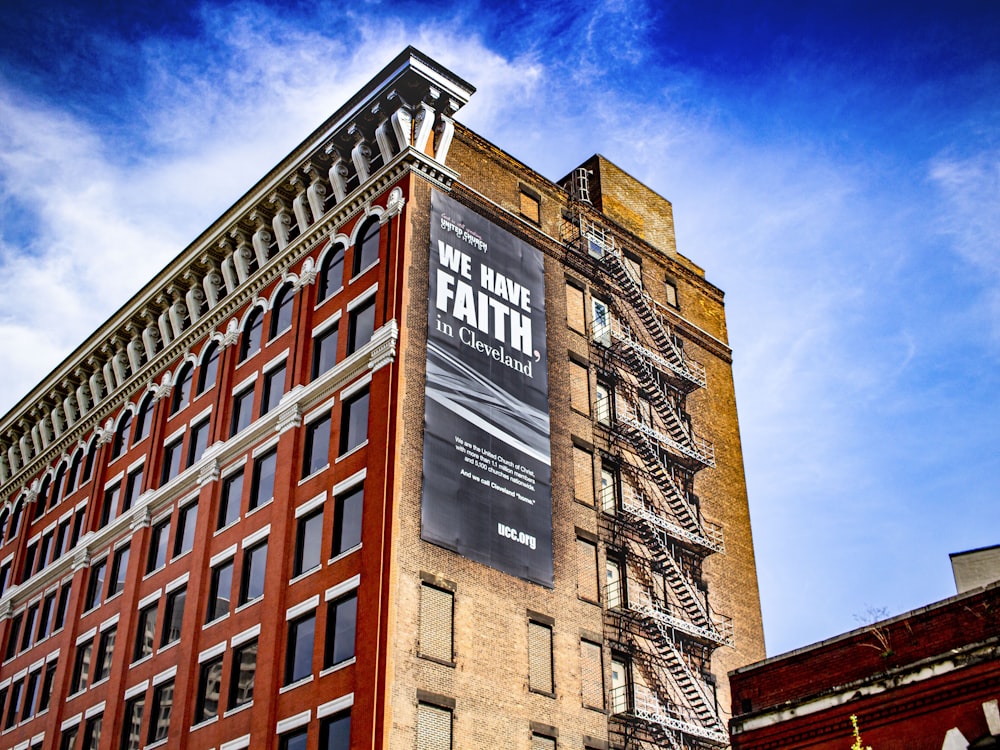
661,618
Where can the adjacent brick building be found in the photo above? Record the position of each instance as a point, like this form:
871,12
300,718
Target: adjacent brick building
211,530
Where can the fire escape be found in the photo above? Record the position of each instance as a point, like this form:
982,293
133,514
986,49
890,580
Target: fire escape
658,619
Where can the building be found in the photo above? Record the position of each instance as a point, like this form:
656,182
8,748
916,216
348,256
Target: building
412,447
928,679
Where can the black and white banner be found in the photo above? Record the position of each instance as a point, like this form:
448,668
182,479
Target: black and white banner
487,472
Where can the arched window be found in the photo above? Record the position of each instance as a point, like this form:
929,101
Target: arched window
145,420
57,486
182,388
366,248
122,435
15,520
209,370
74,471
43,498
250,343
4,518
281,312
88,466
331,273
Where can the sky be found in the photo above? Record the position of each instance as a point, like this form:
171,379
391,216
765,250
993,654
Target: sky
835,168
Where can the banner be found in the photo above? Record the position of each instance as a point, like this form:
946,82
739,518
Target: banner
487,472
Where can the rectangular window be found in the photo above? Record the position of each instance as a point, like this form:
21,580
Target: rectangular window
325,351
133,488
579,385
274,389
171,461
586,570
433,727
354,422
244,671
14,706
347,520
12,636
540,658
591,675
43,550
198,441
242,410
173,615
60,546
109,509
29,561
294,740
360,325
158,546
62,606
341,622
77,527
119,570
298,656
262,486
81,667
30,621
230,499
67,740
30,694
159,717
95,585
105,653
436,622
145,632
187,519
254,567
583,475
316,451
308,542
92,732
132,723
209,687
47,683
335,731
221,591
45,616
576,311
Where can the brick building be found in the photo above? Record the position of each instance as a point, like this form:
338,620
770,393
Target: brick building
928,679
266,505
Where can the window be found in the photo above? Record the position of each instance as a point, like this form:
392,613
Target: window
242,410
331,274
145,420
105,652
542,742
4,577
586,570
316,451
198,441
230,499
67,740
250,341
298,656
158,546
619,685
77,526
579,387
341,622
254,567
308,543
41,499
30,621
436,622
633,268
360,325
209,689
603,405
109,508
530,205
159,717
57,487
354,422
44,547
88,466
325,351
347,520
670,287
171,460
92,732
209,370
30,694
95,585
133,488
262,486
119,569
294,740
583,475
81,667
74,469
14,706
244,671
540,658
132,723
335,731
591,675
182,388
45,616
62,606
47,683
366,247
575,310
173,616
613,589
433,727
221,591
59,547
600,321
187,519
120,442
12,635
29,561
145,632
274,388
281,312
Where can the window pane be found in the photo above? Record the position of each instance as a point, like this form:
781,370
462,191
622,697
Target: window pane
158,546
133,488
308,542
198,442
95,585
145,632
182,389
173,615
221,591
119,571
254,565
342,616
325,351
92,732
298,658
132,724
230,500
242,410
209,369
263,479
145,420
332,275
317,446
250,341
171,461
109,508
274,389
354,423
347,521
294,740
361,325
105,652
209,685
335,732
245,668
81,667
281,313
163,703
366,248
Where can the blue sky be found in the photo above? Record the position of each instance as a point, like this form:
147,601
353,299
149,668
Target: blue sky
834,167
